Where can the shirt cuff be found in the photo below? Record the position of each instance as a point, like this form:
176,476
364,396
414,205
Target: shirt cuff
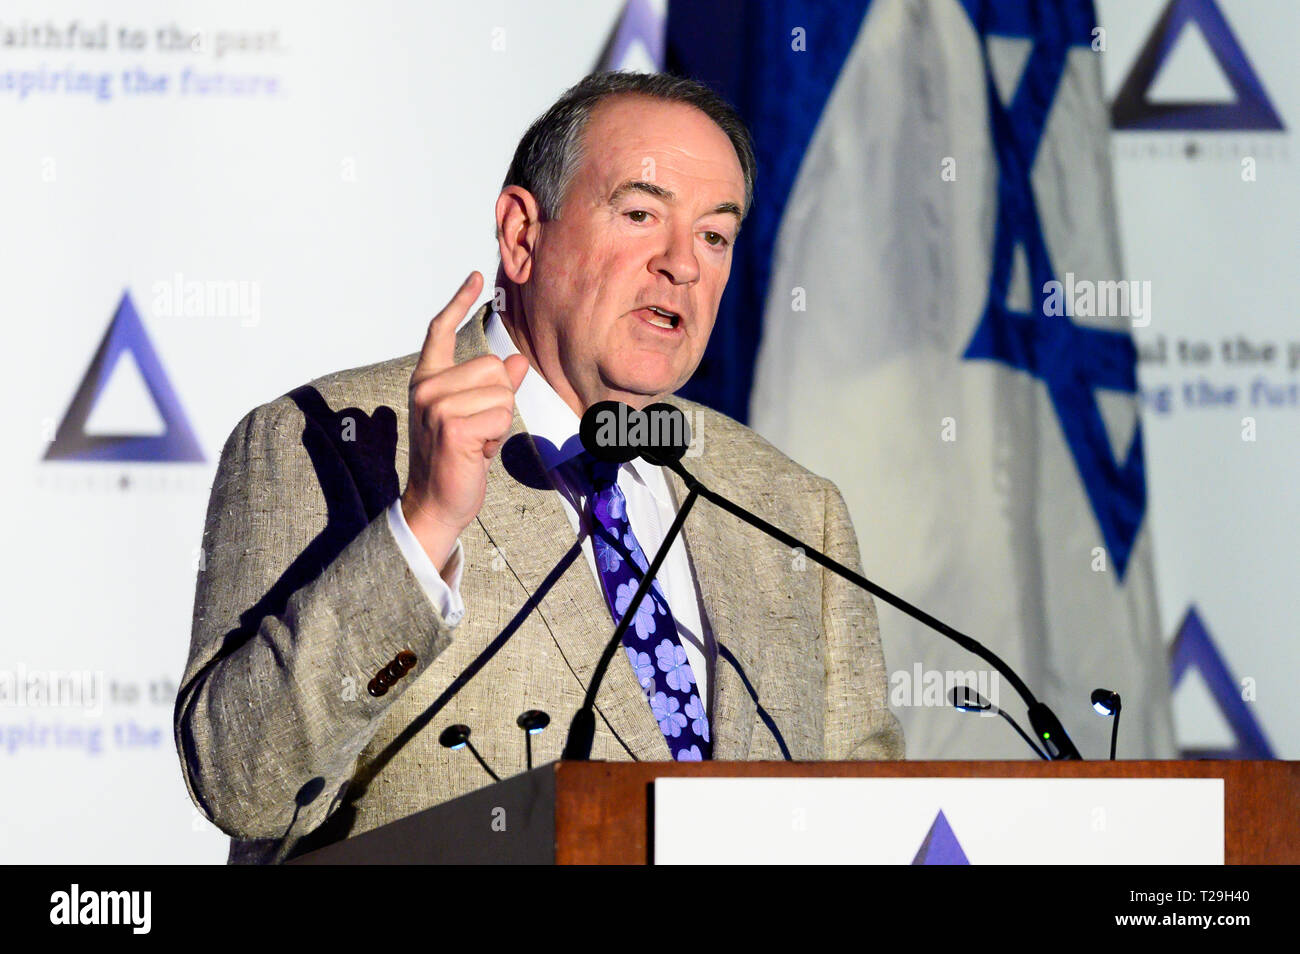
445,598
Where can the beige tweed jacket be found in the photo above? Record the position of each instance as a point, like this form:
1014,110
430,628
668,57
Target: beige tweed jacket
303,596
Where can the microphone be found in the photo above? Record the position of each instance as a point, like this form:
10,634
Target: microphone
456,737
655,434
1055,740
1106,702
968,699
615,432
532,722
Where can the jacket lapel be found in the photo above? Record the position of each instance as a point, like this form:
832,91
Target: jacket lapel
524,518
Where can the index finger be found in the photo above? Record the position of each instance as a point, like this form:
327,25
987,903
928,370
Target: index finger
439,350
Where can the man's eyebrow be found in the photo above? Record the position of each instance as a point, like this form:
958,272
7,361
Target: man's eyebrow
640,185
729,208
659,192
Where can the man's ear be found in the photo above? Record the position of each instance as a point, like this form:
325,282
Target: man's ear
518,225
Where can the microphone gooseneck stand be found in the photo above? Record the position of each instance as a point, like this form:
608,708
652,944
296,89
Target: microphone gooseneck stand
967,699
1055,740
582,730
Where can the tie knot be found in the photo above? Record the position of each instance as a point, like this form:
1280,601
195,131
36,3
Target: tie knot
596,475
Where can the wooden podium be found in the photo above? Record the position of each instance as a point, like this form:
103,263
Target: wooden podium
602,812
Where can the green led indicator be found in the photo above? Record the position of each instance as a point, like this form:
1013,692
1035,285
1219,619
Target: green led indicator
1047,735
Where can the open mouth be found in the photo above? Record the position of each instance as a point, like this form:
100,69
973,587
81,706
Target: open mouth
660,317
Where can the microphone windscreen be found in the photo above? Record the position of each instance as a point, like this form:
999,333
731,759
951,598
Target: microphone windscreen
669,434
613,431
604,432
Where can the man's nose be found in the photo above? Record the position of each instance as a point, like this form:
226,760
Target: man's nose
677,261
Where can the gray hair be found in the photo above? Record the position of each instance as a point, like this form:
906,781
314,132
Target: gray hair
552,149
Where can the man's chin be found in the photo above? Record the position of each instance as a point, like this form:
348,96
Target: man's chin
641,389
639,394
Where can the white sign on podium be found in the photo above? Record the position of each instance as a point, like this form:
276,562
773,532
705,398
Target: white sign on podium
938,821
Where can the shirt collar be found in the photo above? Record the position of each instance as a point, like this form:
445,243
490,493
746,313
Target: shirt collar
545,414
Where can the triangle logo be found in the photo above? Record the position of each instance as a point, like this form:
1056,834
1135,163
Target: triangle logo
940,846
1250,109
125,405
1200,723
1194,649
637,42
125,337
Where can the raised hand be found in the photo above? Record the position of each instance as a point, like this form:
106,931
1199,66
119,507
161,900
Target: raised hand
460,414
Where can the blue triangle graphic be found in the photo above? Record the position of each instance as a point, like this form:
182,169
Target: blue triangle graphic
1193,647
940,846
638,21
1252,109
176,443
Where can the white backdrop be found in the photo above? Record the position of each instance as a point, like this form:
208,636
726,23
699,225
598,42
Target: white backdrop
347,204
1220,250
340,170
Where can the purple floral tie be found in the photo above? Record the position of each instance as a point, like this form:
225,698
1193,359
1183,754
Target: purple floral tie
651,642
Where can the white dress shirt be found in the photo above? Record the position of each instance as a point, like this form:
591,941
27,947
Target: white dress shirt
650,511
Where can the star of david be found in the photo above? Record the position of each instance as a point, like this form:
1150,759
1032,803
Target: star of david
1072,361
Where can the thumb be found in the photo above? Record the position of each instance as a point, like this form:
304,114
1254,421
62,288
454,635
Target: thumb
516,368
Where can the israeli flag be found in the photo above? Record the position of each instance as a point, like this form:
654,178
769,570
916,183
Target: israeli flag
946,334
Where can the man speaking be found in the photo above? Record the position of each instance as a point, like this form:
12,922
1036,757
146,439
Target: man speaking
395,549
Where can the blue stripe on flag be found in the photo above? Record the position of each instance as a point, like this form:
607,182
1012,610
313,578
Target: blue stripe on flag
744,51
